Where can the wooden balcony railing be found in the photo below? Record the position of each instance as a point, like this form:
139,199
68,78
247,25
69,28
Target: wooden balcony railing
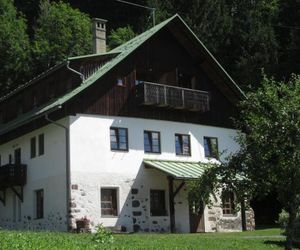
173,97
13,175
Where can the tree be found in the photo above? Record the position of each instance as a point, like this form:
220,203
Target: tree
60,32
270,147
14,46
120,36
245,28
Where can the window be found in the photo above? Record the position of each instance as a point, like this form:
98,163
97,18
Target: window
228,205
157,203
119,139
109,202
18,156
41,144
182,144
32,147
151,142
121,82
211,147
39,204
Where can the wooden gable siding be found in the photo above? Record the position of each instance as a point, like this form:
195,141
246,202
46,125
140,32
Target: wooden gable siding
161,60
37,94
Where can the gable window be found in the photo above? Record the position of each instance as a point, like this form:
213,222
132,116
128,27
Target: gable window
32,147
182,144
157,203
39,204
109,202
41,144
121,81
18,156
228,205
119,139
211,147
152,142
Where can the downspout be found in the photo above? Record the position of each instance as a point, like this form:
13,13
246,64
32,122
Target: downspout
75,71
68,176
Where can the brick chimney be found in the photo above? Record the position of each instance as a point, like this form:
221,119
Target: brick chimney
99,35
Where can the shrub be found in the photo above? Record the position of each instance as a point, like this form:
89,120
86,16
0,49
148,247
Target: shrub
103,235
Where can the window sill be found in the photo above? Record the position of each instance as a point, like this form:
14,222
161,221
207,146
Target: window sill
152,153
119,150
229,216
110,216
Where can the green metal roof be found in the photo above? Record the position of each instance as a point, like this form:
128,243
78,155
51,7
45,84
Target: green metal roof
122,52
178,169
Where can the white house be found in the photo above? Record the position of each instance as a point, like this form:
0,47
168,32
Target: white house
115,136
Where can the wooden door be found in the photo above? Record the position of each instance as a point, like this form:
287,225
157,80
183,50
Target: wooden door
196,218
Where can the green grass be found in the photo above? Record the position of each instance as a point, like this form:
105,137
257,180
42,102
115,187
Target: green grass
260,239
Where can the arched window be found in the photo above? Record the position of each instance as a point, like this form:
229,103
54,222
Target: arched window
228,204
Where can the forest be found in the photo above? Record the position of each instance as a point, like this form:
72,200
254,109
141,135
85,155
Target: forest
247,37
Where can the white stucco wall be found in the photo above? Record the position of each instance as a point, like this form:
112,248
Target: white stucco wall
94,165
45,172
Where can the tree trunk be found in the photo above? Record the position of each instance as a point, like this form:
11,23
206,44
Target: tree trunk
290,228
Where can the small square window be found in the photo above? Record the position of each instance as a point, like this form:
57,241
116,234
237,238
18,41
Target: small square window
121,82
157,203
211,147
39,204
182,144
152,142
119,139
109,202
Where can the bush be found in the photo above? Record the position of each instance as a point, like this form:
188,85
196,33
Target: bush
103,235
283,221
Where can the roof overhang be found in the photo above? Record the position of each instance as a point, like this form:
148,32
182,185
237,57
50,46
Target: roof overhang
179,170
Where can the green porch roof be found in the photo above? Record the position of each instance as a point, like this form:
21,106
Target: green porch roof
178,169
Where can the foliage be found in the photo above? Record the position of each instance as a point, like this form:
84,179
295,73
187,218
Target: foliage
245,28
103,235
17,240
270,149
61,32
283,222
120,36
14,46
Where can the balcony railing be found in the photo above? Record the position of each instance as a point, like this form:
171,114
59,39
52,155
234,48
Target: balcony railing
13,175
173,97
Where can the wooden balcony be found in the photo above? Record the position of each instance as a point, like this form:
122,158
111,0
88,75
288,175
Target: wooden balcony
172,97
12,175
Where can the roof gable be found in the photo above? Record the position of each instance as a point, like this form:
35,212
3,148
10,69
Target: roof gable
121,53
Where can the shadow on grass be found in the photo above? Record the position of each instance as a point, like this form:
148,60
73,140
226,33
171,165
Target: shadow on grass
281,243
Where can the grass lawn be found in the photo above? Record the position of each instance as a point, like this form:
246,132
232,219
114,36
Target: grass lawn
259,239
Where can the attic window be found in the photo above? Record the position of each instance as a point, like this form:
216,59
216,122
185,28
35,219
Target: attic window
121,81
98,25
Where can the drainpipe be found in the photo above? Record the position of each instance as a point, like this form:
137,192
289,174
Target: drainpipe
68,176
75,71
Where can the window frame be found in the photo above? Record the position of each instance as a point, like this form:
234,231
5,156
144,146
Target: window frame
211,153
113,203
150,132
228,204
33,151
117,134
154,212
39,207
182,145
